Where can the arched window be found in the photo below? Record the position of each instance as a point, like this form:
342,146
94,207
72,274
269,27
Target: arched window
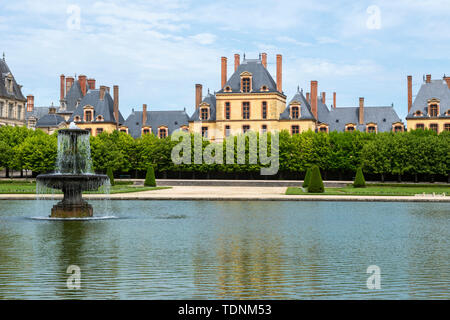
371,129
146,130
77,119
99,118
163,133
418,113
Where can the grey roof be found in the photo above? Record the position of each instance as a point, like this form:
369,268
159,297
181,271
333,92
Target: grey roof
383,117
211,100
49,120
260,77
104,107
17,92
74,96
38,112
173,120
305,108
435,89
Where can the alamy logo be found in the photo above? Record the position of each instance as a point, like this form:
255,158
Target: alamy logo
74,20
374,20
374,280
74,280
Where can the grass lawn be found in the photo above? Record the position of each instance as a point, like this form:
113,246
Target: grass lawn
22,187
377,190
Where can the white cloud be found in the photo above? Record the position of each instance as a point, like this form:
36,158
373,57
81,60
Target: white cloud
204,38
290,40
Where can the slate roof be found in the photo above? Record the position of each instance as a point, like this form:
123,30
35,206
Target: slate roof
211,100
173,120
260,77
305,108
104,107
73,96
49,120
38,112
435,89
16,92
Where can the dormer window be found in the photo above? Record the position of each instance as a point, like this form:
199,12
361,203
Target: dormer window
264,88
162,132
9,83
245,84
88,113
350,127
77,119
99,118
434,110
418,113
227,89
295,112
204,113
146,130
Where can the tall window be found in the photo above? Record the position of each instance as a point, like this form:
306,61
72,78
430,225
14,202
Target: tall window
162,133
295,129
19,112
447,127
204,113
227,110
295,112
371,129
246,110
205,132
227,131
245,84
434,127
420,126
245,128
264,128
11,111
99,130
264,110
433,110
1,109
88,116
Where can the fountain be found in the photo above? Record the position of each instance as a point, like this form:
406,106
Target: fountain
73,174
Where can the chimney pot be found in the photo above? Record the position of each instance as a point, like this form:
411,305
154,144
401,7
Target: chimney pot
323,97
62,87
264,59
334,100
237,61
428,78
144,114
409,93
91,84
279,73
361,110
224,71
314,84
116,104
198,94
102,92
82,81
69,83
30,103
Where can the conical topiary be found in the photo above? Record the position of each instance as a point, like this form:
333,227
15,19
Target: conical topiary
150,177
307,178
359,182
110,175
316,183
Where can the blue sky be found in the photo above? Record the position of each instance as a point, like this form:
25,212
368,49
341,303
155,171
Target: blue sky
156,51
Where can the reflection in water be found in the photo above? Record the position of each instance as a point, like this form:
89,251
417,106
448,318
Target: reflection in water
228,250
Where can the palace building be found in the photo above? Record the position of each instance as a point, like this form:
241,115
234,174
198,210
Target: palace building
12,101
251,100
431,106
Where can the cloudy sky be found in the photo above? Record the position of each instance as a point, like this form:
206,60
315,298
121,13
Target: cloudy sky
156,51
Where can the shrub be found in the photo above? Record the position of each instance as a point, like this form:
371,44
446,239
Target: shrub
307,178
110,175
150,177
316,183
359,179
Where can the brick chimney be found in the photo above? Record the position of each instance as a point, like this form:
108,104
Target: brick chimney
82,81
69,83
447,79
62,87
264,59
102,92
428,78
144,114
116,104
30,103
198,95
314,98
279,73
323,97
224,72
409,93
237,61
334,100
307,98
361,110
91,84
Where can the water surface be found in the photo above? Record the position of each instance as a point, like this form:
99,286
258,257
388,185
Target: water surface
227,250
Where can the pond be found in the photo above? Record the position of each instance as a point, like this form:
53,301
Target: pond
227,250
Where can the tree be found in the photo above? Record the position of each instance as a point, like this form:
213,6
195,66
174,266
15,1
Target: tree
37,153
376,155
150,177
110,175
307,178
316,183
359,182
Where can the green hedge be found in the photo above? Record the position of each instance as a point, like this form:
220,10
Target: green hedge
359,182
150,180
316,183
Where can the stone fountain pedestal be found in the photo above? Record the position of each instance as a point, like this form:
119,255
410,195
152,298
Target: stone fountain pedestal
82,210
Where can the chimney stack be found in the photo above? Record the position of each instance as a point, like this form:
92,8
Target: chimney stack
279,73
409,93
91,84
428,78
323,97
69,83
30,103
102,92
447,79
334,100
62,87
224,72
314,98
198,95
116,104
144,114
82,81
361,110
237,61
264,59
307,98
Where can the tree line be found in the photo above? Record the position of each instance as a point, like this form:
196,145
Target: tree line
414,155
